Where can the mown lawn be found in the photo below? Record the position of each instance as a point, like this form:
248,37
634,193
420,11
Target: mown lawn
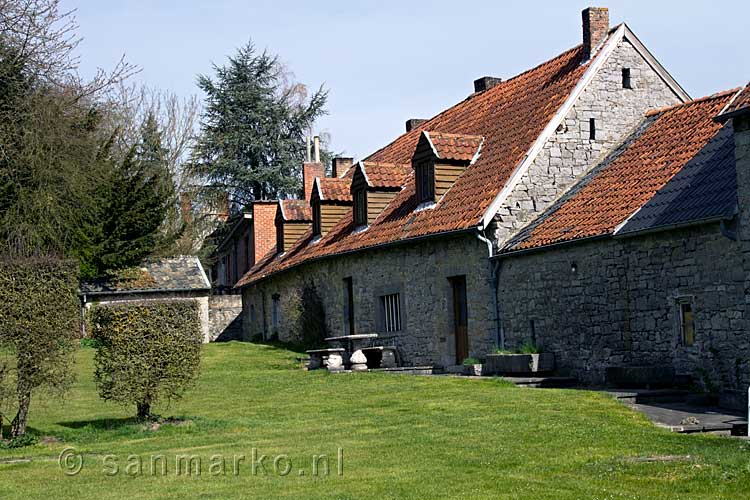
401,436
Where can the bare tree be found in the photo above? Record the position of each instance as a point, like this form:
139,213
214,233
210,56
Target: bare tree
44,38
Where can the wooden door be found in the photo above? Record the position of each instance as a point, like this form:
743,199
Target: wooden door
460,322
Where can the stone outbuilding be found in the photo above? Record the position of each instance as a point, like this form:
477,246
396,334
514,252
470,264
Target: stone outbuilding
162,280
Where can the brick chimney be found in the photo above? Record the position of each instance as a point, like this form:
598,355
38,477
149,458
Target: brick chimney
264,229
595,29
486,82
186,206
311,170
340,164
413,123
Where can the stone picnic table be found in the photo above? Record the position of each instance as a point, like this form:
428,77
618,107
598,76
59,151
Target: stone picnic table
353,345
348,350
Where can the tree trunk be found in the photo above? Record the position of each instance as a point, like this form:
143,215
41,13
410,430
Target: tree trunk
144,410
18,428
1,426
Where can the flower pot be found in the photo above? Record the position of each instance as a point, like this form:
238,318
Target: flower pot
520,363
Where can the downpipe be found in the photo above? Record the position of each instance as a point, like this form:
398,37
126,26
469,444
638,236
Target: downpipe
494,283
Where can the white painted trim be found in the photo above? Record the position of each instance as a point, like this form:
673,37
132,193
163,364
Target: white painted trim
622,224
549,130
656,65
429,140
425,205
316,185
361,166
203,272
731,101
281,209
476,155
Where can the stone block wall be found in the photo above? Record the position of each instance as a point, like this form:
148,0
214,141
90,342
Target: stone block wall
419,272
225,317
570,153
614,302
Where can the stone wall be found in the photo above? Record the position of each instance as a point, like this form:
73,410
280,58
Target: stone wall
225,317
418,271
570,153
620,304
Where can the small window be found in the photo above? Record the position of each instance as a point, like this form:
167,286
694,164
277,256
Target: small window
349,306
626,82
687,322
592,129
275,305
425,172
316,218
279,237
360,208
390,308
252,313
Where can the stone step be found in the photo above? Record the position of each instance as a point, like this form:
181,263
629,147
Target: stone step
550,382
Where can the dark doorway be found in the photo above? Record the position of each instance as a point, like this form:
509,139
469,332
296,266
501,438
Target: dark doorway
460,322
349,305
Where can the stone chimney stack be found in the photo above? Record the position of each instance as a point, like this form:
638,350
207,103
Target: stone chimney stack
486,82
340,164
413,123
595,29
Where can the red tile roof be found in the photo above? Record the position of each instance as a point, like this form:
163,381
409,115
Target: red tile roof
335,189
631,176
385,175
296,210
454,146
741,102
510,116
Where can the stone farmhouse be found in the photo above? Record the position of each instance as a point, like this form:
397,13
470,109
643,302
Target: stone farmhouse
587,205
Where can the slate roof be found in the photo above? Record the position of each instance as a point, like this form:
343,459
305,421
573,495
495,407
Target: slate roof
334,188
385,175
182,273
669,141
295,210
454,146
704,189
510,116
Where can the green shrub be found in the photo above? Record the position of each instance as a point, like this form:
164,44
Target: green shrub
529,348
471,361
39,330
146,353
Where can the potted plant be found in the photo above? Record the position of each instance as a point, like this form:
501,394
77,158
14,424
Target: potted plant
472,366
526,360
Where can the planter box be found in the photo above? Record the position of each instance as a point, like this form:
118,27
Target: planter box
519,363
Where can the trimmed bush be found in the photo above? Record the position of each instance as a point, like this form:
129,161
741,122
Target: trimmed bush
39,329
146,352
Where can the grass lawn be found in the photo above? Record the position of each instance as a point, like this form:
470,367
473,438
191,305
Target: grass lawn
401,436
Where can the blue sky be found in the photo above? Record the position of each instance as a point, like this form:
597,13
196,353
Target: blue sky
386,61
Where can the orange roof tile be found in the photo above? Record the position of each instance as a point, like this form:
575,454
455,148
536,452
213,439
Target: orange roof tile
335,188
454,146
510,116
630,176
295,210
385,175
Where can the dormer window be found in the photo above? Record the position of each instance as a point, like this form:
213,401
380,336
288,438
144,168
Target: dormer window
360,207
425,176
316,218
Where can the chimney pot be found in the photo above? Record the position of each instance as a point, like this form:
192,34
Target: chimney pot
595,29
316,148
308,150
486,82
340,164
413,123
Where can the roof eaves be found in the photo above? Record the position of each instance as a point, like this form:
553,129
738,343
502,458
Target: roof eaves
429,141
523,166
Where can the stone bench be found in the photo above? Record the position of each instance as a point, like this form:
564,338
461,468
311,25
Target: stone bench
382,356
319,356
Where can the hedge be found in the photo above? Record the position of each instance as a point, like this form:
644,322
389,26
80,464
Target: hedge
146,352
39,326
